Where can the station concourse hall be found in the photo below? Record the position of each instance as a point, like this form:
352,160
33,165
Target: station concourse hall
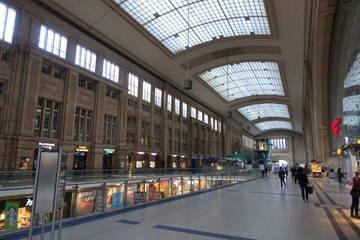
176,119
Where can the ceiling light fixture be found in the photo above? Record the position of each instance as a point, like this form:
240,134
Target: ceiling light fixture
187,81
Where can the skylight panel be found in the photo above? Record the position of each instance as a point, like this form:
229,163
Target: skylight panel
245,79
353,76
210,19
273,125
263,110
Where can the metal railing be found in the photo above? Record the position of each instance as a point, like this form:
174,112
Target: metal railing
86,198
25,178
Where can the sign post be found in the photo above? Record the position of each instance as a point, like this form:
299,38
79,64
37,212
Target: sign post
49,189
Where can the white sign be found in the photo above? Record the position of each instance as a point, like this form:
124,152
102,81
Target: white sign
47,145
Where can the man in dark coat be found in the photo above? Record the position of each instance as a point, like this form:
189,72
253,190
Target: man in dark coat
282,176
303,182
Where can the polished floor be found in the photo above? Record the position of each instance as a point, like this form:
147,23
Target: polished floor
259,209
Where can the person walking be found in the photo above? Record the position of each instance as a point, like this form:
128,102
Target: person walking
286,172
339,174
266,171
282,176
355,194
303,182
292,170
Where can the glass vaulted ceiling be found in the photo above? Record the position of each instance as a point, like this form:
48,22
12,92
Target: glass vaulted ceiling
263,110
273,125
245,79
167,20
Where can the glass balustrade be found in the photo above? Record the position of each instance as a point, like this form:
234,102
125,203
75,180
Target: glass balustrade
97,192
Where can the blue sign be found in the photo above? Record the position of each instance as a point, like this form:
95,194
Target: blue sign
261,161
117,200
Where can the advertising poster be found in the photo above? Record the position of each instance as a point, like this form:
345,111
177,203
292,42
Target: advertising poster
152,192
117,198
139,197
24,217
24,163
11,215
99,200
165,189
85,202
262,167
130,196
109,193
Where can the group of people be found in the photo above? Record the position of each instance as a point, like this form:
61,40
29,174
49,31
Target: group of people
298,175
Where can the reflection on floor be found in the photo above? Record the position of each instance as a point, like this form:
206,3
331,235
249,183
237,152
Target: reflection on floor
259,209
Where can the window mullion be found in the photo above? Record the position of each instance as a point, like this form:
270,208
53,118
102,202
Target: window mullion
79,124
51,120
42,122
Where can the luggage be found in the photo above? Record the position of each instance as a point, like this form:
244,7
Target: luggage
310,190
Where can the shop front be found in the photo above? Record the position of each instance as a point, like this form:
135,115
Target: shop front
108,158
80,158
142,160
45,147
174,161
153,160
183,160
128,163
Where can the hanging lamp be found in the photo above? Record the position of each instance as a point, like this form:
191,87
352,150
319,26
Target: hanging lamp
187,81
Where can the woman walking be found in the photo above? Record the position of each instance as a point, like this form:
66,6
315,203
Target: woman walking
355,194
303,182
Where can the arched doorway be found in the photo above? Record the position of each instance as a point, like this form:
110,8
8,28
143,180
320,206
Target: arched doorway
130,161
236,147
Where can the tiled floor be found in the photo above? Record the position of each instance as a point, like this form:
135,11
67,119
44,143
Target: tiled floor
259,209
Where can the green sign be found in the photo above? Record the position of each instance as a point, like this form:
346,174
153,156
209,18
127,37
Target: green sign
240,155
109,150
11,215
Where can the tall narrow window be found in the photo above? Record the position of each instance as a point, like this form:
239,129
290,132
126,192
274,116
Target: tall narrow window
200,115
133,83
110,71
38,117
85,58
215,125
1,88
82,124
177,106
212,122
146,93
47,118
169,100
109,130
193,112
158,97
7,23
206,118
184,110
52,42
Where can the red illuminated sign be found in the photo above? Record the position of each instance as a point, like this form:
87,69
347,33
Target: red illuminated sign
335,127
